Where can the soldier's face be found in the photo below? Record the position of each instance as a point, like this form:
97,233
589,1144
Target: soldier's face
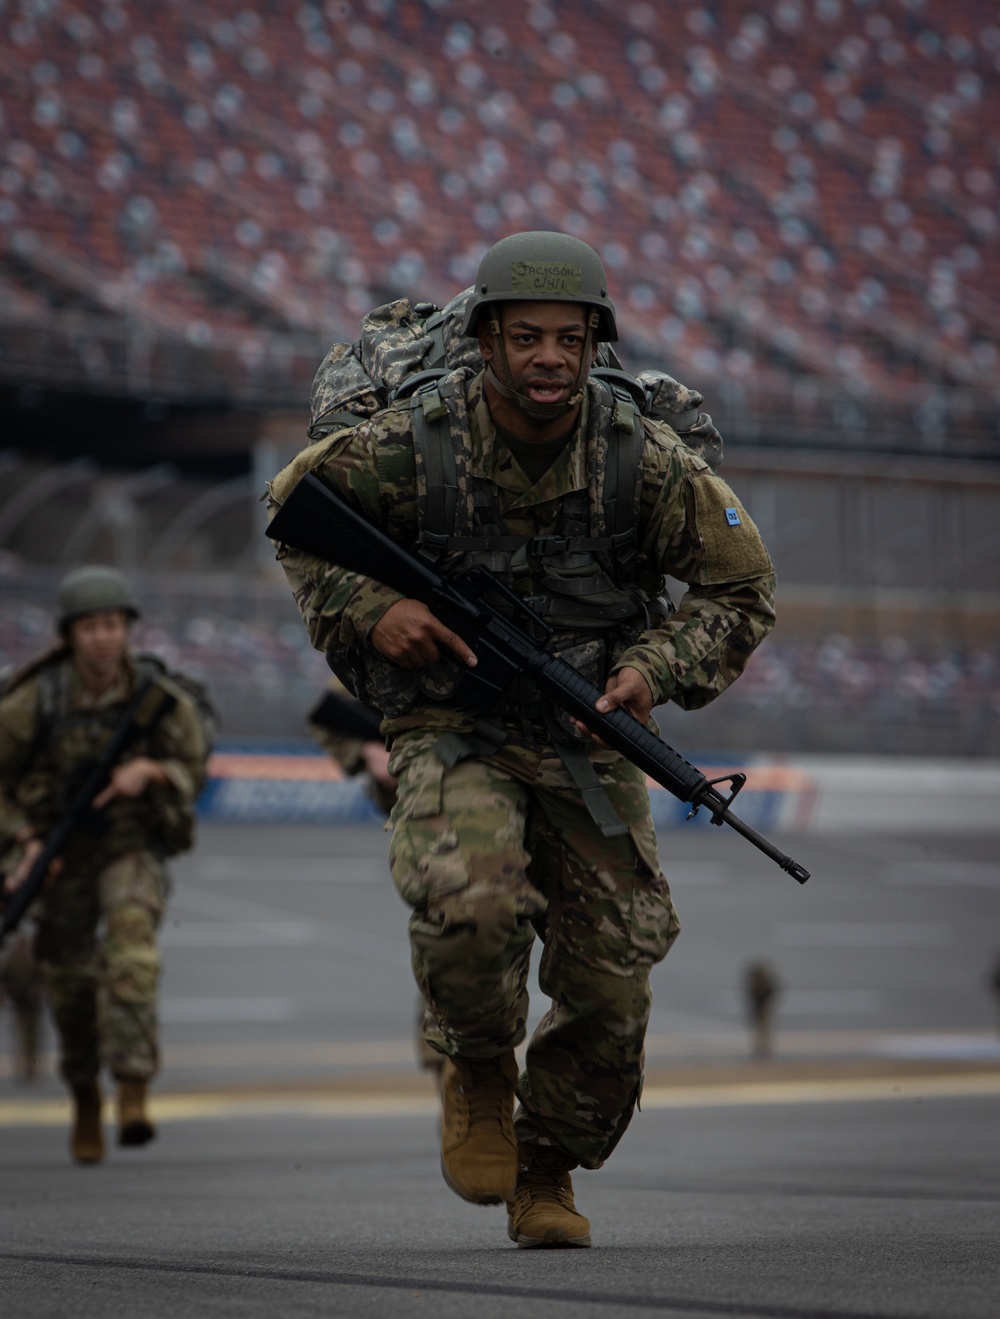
98,641
544,344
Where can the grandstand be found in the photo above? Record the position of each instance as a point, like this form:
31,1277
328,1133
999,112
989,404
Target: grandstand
797,201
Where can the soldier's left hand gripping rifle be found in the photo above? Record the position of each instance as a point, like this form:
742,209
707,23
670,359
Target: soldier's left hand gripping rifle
149,704
504,633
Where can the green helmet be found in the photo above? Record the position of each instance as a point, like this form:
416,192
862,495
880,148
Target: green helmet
90,590
541,266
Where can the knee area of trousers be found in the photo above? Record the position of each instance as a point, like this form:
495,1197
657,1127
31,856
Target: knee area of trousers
132,974
590,992
131,926
478,922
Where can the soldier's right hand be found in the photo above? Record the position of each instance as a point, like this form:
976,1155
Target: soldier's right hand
16,877
410,636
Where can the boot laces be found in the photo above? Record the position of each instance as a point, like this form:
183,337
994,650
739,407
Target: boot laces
486,1099
542,1184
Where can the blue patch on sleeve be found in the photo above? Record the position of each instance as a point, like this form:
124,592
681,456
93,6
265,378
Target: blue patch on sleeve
732,517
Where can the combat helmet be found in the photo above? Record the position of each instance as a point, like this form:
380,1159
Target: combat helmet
89,590
541,266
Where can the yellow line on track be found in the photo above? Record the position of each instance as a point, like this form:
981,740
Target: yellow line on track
827,1091
186,1108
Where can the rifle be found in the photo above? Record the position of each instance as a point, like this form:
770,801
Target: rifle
319,522
147,706
338,714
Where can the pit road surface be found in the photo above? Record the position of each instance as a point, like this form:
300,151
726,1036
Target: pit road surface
855,1174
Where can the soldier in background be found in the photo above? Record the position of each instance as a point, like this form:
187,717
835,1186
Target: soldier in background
762,987
98,915
349,733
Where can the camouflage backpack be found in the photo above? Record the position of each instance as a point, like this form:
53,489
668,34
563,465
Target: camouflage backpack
404,349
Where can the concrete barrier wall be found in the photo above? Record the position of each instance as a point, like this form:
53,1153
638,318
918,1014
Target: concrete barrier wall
877,793
804,793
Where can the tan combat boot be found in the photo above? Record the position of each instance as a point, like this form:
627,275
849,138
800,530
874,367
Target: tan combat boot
86,1140
542,1212
134,1126
478,1145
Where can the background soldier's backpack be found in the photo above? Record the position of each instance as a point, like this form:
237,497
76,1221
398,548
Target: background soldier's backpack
51,696
45,663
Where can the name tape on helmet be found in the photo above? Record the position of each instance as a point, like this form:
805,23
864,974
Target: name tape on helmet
546,277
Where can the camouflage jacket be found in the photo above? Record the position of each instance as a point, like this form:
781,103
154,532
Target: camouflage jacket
41,758
691,527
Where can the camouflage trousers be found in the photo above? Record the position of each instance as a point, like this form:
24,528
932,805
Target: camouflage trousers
490,852
21,985
97,950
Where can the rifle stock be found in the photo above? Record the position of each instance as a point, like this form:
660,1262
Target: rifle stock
149,703
319,522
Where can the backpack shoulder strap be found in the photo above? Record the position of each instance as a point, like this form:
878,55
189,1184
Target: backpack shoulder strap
148,665
152,666
53,682
440,446
52,675
621,478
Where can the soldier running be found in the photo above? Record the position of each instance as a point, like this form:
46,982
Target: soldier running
104,898
511,822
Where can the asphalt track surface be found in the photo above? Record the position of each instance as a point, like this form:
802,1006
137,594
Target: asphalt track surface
857,1173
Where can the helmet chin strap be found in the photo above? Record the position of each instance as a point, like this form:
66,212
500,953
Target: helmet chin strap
540,411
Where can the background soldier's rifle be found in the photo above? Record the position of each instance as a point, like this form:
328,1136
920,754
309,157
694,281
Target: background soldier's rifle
339,714
505,637
150,702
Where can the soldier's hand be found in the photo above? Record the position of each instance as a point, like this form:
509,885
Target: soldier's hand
626,689
410,636
376,760
131,780
32,850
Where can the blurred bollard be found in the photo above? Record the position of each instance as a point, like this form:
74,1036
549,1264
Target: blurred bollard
761,987
995,981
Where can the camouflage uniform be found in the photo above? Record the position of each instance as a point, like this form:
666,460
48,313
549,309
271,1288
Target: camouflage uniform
21,986
491,841
101,986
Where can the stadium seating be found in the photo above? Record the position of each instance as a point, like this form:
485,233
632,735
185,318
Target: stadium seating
801,187
832,694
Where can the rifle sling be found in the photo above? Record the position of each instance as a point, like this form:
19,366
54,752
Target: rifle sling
489,735
581,770
486,737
